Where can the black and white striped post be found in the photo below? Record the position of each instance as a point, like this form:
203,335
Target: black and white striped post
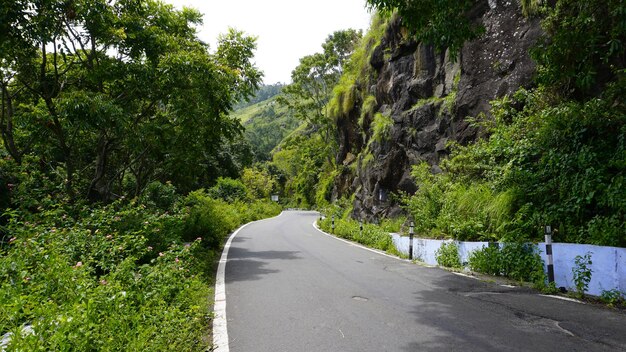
332,225
411,233
548,231
361,227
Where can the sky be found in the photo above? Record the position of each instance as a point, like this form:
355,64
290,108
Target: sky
286,29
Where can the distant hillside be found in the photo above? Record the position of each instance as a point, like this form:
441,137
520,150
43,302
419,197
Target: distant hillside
267,124
264,93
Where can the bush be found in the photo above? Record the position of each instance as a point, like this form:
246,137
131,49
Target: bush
163,196
372,235
448,255
228,190
518,261
125,276
487,261
86,286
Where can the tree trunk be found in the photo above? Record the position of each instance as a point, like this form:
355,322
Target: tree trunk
6,125
99,188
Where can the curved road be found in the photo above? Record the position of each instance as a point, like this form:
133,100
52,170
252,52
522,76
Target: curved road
291,288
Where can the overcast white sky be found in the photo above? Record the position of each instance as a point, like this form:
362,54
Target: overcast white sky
286,29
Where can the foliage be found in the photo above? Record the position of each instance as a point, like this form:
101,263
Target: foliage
542,162
229,189
612,298
351,87
372,235
267,123
125,276
381,127
324,189
448,255
518,261
445,24
584,46
443,207
521,261
264,93
314,79
163,196
487,260
393,225
581,272
301,158
306,156
104,93
258,182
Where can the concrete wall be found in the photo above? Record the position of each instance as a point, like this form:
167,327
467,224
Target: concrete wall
608,266
608,263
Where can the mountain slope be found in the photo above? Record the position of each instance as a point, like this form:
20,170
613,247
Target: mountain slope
266,125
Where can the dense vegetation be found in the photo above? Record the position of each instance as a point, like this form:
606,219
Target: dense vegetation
114,119
554,154
124,276
101,93
266,124
306,157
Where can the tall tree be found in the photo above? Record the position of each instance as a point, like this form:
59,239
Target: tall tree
314,79
119,93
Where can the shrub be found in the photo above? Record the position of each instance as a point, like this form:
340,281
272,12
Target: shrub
612,298
372,235
487,261
381,127
163,196
125,276
518,261
448,255
258,183
228,190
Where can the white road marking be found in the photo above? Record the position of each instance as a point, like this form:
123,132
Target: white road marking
564,298
220,328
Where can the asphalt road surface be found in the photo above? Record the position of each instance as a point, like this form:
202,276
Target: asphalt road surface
292,288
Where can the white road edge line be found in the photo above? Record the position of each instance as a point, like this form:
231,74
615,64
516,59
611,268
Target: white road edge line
314,224
220,328
564,298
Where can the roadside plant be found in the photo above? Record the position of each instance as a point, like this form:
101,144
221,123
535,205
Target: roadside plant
517,261
448,255
582,273
487,260
612,298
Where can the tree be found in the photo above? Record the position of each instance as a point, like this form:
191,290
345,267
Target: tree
314,80
118,94
316,76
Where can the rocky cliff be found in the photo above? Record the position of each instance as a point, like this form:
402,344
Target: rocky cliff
423,98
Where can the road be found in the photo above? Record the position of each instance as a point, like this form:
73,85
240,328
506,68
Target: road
292,288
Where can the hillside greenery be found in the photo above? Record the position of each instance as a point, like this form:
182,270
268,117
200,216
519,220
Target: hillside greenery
267,124
554,154
121,173
551,154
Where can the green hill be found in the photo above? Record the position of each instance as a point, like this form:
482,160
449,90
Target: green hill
267,124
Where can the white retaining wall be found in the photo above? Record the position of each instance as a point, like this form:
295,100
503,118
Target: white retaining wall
608,263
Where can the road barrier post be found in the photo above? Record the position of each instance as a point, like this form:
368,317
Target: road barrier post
411,233
548,231
361,227
332,225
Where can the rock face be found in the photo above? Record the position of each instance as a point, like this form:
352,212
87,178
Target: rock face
428,95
